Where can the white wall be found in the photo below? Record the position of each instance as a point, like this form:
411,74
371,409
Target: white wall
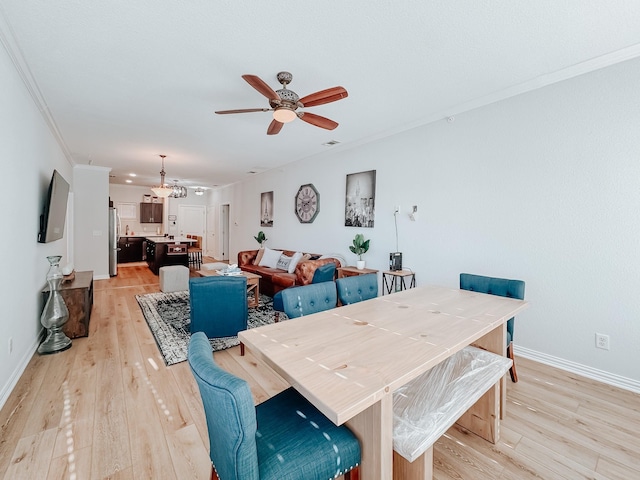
134,194
543,187
174,228
91,238
29,155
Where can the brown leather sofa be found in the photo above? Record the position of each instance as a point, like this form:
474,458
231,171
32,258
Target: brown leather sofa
274,279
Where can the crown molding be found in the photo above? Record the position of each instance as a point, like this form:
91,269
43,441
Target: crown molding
12,47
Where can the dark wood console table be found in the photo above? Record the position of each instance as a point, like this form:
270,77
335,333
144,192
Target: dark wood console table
78,296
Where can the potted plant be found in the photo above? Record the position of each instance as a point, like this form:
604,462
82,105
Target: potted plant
359,247
260,238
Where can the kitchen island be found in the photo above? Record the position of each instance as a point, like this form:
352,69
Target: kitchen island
162,251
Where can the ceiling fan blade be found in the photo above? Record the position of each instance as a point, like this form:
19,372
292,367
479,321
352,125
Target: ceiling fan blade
317,120
274,127
324,96
243,110
261,86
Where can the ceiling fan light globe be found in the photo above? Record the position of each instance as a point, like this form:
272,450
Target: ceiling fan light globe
284,115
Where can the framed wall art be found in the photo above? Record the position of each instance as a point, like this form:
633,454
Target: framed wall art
266,209
360,199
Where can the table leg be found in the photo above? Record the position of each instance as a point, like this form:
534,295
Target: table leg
483,418
253,288
374,429
420,469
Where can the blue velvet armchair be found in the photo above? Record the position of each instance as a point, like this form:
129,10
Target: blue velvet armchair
502,287
324,273
308,299
357,288
283,438
218,305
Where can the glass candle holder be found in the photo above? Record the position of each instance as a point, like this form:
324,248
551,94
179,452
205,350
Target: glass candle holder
55,313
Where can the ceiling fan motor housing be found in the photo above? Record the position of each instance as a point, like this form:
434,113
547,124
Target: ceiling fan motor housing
284,78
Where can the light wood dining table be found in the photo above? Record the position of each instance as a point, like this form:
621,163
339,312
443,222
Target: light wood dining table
348,361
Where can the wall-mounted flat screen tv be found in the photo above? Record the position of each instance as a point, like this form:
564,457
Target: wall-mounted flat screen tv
54,212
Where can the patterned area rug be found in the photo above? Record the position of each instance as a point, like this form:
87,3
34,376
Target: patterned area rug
168,317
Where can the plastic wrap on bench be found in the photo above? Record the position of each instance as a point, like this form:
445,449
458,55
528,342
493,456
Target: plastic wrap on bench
427,406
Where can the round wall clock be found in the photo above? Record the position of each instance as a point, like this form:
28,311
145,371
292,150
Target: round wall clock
307,203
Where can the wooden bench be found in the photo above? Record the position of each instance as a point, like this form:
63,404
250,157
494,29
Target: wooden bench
425,408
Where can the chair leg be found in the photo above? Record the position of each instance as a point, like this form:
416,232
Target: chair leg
241,349
512,371
353,474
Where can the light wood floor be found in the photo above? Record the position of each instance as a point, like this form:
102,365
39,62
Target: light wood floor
109,408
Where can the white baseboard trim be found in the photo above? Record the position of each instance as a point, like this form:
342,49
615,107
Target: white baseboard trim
101,277
8,387
579,369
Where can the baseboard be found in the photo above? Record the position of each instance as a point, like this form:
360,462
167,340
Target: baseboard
579,369
15,376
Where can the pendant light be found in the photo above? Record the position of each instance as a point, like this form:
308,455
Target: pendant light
163,190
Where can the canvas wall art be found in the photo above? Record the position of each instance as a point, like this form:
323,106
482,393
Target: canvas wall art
266,209
360,199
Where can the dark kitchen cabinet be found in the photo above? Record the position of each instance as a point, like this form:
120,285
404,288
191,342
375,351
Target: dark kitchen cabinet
164,253
151,212
130,249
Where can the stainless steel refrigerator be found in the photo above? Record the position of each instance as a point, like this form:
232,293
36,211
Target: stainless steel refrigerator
114,236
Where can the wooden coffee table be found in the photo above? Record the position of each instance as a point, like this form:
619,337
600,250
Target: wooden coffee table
253,284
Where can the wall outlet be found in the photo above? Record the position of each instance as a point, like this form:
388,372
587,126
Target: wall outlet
396,209
602,341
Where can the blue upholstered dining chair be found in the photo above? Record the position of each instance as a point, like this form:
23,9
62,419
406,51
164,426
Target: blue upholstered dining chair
308,299
502,287
283,438
219,306
324,273
357,288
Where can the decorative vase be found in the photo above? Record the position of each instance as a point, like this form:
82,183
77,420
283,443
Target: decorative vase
55,313
360,264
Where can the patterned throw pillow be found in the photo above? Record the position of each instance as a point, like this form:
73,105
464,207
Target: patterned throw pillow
283,263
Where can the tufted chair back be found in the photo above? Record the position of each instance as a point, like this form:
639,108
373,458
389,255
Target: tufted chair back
284,437
230,413
308,299
218,305
357,288
502,287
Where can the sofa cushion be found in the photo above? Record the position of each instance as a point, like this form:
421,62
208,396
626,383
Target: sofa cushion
256,261
270,258
294,262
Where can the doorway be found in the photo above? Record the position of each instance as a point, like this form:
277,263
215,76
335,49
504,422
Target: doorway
191,220
210,248
224,230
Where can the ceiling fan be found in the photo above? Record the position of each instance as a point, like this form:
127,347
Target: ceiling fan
285,103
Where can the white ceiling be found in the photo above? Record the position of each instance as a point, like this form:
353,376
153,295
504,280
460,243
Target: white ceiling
124,81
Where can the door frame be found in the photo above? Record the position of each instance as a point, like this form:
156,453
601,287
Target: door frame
225,210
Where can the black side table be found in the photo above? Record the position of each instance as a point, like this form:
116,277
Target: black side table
398,280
